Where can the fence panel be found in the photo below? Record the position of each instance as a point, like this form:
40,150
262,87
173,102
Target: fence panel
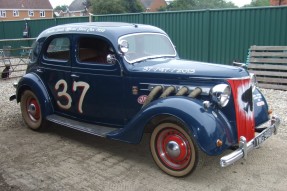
2,34
37,26
187,31
233,31
130,18
14,57
60,21
218,36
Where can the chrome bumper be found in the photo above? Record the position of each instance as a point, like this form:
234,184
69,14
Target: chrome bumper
245,147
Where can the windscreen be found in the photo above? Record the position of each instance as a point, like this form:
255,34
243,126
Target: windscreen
142,46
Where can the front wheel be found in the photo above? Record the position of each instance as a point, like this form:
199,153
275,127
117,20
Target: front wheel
173,150
31,110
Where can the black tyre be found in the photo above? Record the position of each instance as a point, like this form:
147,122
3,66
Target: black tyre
31,110
173,150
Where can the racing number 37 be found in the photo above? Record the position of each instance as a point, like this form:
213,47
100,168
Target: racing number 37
68,97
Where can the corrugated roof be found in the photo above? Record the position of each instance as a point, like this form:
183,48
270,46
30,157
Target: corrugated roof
25,4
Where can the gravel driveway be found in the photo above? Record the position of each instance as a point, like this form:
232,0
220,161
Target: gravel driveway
64,159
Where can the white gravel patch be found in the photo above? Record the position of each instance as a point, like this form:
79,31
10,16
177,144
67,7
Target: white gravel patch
277,101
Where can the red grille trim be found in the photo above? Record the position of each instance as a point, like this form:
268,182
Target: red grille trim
243,101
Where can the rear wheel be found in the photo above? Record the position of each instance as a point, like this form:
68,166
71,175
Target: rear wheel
173,150
31,110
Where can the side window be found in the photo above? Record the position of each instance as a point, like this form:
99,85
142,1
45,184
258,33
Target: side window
59,49
93,50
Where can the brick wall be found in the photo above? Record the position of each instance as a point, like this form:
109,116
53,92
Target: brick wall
24,14
277,2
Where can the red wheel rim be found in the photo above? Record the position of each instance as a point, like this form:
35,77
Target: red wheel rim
33,109
173,149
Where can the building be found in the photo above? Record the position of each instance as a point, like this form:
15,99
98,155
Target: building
25,9
76,9
153,5
82,7
278,2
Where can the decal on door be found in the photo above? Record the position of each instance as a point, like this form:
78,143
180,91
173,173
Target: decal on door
142,99
85,86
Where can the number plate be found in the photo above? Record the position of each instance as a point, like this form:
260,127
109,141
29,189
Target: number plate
258,140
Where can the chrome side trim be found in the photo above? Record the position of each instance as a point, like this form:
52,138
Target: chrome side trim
246,147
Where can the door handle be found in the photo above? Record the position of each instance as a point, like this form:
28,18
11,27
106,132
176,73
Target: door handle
75,76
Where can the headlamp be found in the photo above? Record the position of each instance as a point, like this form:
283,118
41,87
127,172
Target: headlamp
220,94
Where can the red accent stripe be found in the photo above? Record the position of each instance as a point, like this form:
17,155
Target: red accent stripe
244,119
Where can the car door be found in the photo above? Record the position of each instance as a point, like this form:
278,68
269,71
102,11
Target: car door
98,85
56,70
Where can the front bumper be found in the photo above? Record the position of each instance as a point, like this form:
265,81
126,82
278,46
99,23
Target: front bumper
245,147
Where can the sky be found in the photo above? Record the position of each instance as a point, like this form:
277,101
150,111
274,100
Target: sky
55,3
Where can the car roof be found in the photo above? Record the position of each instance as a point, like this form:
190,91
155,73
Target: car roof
110,30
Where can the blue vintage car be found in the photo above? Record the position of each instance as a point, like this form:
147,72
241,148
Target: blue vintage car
120,80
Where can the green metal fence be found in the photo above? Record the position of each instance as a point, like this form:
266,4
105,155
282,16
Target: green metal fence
14,29
218,36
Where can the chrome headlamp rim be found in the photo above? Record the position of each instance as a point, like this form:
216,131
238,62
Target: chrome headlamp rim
220,94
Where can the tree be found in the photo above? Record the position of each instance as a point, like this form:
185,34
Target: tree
107,7
181,5
115,6
258,3
62,7
213,4
197,4
133,6
87,3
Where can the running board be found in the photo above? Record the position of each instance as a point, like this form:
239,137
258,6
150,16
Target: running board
98,130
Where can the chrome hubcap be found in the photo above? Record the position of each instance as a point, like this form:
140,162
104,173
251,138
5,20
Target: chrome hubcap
32,109
173,149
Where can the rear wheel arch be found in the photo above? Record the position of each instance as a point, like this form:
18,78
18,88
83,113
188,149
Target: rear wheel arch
29,84
20,92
